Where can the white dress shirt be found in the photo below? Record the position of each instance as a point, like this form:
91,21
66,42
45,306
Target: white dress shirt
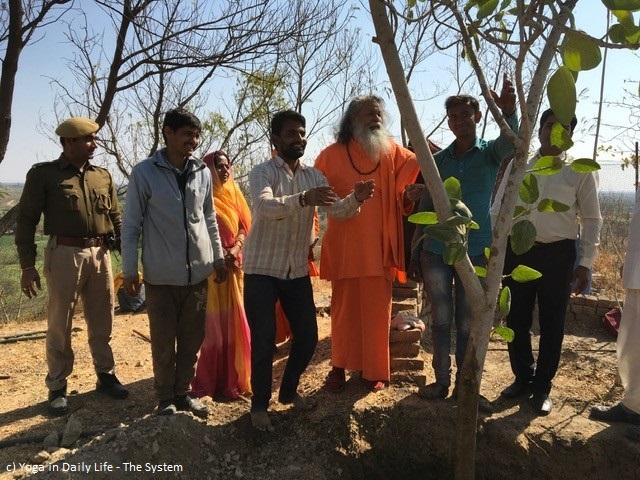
577,190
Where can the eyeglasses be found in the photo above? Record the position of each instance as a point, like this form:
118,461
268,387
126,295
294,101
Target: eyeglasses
460,116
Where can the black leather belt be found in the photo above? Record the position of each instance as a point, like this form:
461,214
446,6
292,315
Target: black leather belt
80,242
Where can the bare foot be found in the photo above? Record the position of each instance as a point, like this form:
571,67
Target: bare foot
260,421
302,403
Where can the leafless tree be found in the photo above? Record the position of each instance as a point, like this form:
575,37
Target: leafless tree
22,22
164,54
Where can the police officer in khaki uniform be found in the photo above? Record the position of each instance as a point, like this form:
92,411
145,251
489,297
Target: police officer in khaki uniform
81,212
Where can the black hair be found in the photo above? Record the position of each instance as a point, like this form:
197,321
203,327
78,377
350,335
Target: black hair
278,120
180,117
548,112
456,100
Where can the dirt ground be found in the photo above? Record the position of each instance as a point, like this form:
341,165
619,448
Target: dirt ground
351,435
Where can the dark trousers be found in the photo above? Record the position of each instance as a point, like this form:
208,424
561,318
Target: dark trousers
555,261
296,297
176,323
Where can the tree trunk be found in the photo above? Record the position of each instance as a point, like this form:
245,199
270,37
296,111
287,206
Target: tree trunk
9,70
482,298
468,400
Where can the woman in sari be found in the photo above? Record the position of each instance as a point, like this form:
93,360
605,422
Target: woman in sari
224,363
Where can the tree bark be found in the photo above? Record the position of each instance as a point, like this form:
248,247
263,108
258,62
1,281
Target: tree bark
9,70
482,298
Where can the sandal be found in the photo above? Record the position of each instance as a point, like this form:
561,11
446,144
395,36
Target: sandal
335,380
374,385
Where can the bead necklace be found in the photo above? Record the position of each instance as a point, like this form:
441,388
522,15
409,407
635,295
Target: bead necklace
357,169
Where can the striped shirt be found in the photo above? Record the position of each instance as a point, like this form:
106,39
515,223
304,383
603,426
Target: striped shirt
281,229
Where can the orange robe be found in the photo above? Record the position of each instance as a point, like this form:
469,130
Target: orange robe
362,254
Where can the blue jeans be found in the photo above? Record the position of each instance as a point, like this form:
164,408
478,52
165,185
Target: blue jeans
440,282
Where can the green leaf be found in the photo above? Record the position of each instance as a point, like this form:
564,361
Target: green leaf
519,210
617,33
560,138
631,5
584,165
480,271
473,226
523,236
505,333
454,252
504,301
579,52
486,8
470,4
523,274
460,208
453,188
457,220
441,232
547,165
561,92
528,191
423,218
625,18
626,35
411,3
487,253
551,205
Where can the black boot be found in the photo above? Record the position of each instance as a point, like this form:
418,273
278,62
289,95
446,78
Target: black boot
108,383
58,405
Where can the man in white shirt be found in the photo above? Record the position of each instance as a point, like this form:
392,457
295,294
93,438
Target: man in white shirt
284,194
553,255
628,409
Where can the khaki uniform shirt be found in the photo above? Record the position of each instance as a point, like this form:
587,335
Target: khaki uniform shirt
74,203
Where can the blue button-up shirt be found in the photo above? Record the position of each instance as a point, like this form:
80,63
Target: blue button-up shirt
476,170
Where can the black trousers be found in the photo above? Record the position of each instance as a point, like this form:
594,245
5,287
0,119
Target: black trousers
556,262
296,298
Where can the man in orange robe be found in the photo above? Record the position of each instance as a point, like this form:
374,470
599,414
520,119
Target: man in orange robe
362,254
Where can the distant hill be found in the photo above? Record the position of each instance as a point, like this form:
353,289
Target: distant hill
9,195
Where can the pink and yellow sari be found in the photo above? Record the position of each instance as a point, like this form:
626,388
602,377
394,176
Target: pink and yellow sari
224,363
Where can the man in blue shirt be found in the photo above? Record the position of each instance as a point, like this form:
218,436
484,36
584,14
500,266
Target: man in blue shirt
475,163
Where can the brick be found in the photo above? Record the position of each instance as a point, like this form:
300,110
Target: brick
413,376
407,284
590,301
585,318
413,335
607,303
399,292
404,349
579,300
407,364
411,307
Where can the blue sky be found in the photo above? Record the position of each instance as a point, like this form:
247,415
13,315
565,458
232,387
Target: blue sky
34,96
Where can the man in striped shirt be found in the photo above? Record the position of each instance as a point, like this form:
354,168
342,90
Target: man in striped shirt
284,195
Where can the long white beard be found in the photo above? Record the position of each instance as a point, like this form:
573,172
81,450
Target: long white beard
375,142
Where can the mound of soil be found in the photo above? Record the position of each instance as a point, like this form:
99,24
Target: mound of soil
352,435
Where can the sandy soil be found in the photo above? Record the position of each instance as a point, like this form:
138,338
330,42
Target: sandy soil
351,435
